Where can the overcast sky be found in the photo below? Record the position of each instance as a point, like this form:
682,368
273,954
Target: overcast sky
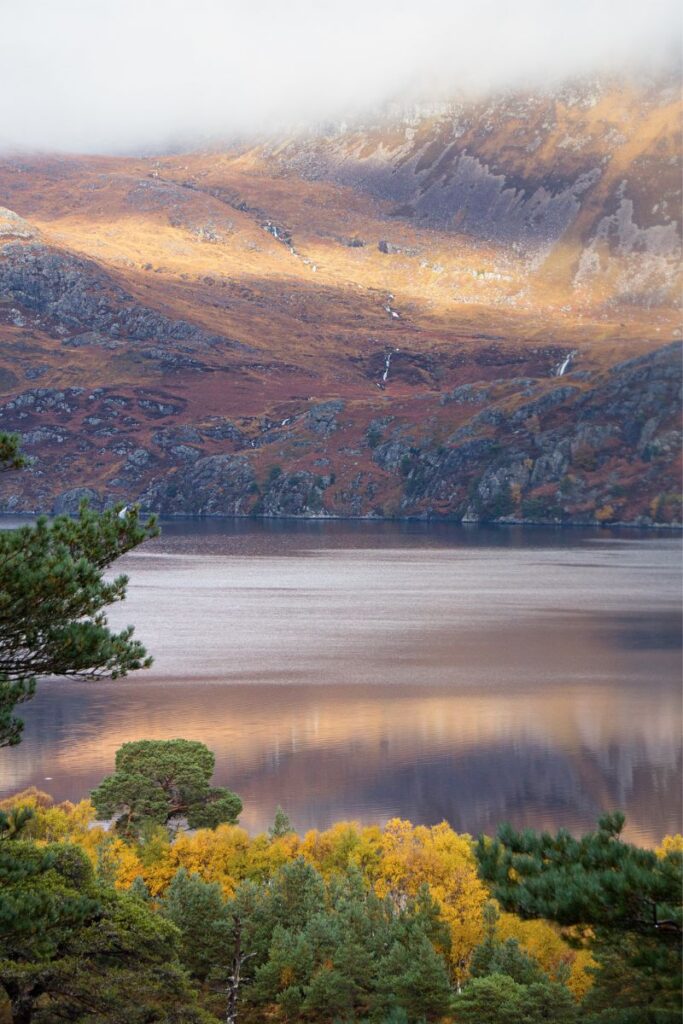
129,75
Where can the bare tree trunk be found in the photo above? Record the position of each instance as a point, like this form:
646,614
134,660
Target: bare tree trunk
21,1000
233,991
233,986
22,1010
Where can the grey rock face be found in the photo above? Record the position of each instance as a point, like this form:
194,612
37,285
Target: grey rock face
322,419
293,494
467,167
44,435
41,400
629,411
391,454
214,485
170,436
76,294
494,482
549,468
543,405
183,453
14,226
139,458
488,203
159,408
69,501
223,430
466,394
35,372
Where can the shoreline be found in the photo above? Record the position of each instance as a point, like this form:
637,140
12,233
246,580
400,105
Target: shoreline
427,520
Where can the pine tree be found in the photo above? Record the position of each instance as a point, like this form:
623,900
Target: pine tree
490,1000
139,889
10,454
630,898
414,977
14,821
196,908
156,780
548,1001
281,826
598,879
499,999
74,950
637,980
53,593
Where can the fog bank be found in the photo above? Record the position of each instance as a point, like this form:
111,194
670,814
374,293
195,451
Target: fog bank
130,75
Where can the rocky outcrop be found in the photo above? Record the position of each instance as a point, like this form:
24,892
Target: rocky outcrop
529,171
13,226
463,371
595,446
322,419
219,485
41,400
69,501
74,296
292,494
546,460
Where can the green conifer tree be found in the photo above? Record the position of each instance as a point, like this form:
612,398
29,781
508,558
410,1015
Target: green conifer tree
630,898
74,950
156,780
196,908
281,826
53,596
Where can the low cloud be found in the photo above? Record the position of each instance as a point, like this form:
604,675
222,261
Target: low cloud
138,75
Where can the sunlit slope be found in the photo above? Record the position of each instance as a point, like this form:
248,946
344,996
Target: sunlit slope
287,327
584,182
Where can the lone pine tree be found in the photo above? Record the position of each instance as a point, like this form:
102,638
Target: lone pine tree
53,596
156,780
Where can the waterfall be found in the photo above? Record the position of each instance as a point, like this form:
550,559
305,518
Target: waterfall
561,368
387,365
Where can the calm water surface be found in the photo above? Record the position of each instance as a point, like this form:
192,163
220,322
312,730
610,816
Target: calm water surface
367,670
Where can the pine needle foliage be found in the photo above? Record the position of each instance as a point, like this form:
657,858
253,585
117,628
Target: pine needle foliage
597,879
53,596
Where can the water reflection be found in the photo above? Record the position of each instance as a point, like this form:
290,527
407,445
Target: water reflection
433,673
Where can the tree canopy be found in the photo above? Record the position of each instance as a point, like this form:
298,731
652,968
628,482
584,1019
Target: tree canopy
156,780
53,596
355,924
333,950
596,879
10,453
629,897
72,949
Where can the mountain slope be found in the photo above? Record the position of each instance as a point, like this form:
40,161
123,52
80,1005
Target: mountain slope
466,311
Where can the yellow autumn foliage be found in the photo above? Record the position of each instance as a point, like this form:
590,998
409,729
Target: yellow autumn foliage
216,855
543,940
412,856
31,797
119,860
58,823
266,856
397,860
581,977
605,514
344,845
670,844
